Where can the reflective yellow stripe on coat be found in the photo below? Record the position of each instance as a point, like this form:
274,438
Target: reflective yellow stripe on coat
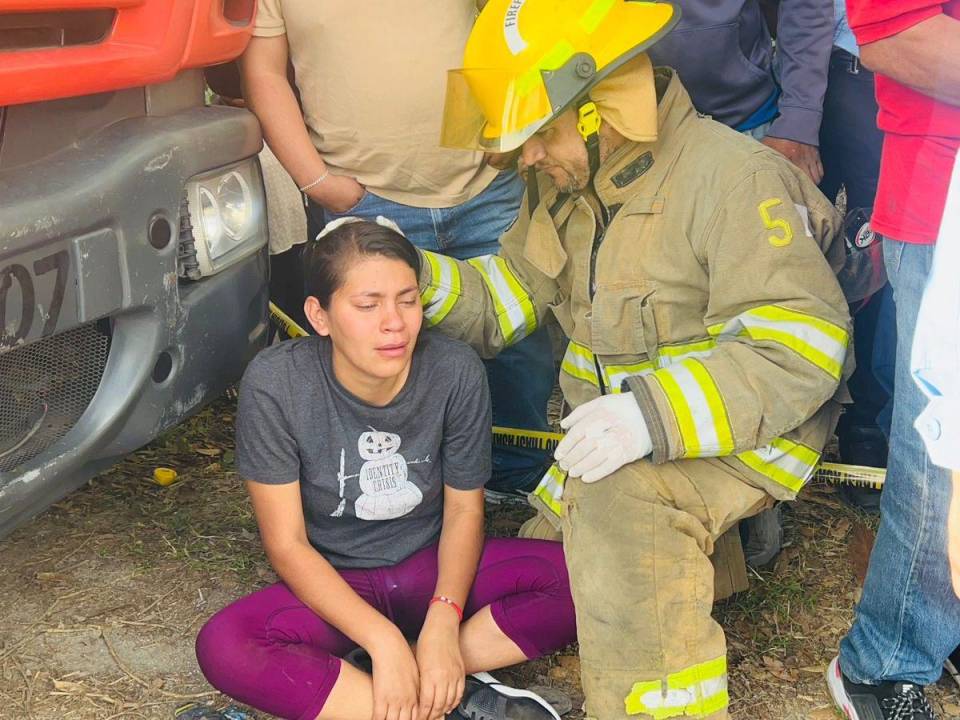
785,462
696,691
514,308
444,290
579,362
817,341
614,375
550,490
668,355
698,407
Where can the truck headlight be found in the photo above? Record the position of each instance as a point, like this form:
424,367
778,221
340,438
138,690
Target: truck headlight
210,219
227,213
236,204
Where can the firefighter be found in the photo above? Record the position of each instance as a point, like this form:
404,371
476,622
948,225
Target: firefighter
691,269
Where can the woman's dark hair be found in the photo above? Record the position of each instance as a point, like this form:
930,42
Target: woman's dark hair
326,260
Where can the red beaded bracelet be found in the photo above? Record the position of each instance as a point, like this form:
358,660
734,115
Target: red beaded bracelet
447,601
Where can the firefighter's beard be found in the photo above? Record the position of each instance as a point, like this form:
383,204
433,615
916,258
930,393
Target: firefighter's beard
571,176
565,160
572,181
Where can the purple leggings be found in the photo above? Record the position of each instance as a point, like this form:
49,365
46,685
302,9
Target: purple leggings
272,652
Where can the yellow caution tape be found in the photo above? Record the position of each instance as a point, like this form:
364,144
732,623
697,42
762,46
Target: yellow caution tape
860,475
285,323
833,473
528,439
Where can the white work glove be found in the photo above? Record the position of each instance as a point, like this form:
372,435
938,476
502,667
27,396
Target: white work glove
602,436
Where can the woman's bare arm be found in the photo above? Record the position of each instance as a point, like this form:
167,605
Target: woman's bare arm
438,647
461,542
306,572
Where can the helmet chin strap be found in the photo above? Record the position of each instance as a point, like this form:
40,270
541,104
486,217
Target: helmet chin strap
588,125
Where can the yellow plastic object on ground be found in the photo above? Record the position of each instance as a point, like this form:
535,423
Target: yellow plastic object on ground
165,476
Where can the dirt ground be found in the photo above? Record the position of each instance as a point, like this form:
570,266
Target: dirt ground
103,594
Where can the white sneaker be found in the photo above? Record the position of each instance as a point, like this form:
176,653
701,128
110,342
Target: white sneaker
886,701
484,698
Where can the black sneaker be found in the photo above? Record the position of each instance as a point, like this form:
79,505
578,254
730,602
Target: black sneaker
486,699
762,537
886,701
865,498
196,711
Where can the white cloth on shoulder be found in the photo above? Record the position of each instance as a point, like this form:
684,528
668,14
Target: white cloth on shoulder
935,360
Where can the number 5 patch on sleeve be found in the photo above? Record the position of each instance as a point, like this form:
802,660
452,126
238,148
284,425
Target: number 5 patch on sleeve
782,232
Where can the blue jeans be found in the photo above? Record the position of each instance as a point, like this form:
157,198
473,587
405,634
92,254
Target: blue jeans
522,376
908,620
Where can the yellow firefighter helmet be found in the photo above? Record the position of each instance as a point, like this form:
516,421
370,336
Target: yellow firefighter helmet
526,61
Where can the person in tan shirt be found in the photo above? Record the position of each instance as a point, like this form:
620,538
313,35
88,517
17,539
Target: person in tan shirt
367,122
363,140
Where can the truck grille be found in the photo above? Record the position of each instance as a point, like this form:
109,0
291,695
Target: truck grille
45,387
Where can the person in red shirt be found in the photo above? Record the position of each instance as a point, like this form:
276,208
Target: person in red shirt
908,619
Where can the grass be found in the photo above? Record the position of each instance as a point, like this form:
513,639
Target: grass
136,562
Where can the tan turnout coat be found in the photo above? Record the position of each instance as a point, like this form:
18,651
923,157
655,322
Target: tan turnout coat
697,276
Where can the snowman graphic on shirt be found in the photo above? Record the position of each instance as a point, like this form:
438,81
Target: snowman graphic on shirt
386,493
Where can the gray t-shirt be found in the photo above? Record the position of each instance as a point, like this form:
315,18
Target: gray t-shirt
371,478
